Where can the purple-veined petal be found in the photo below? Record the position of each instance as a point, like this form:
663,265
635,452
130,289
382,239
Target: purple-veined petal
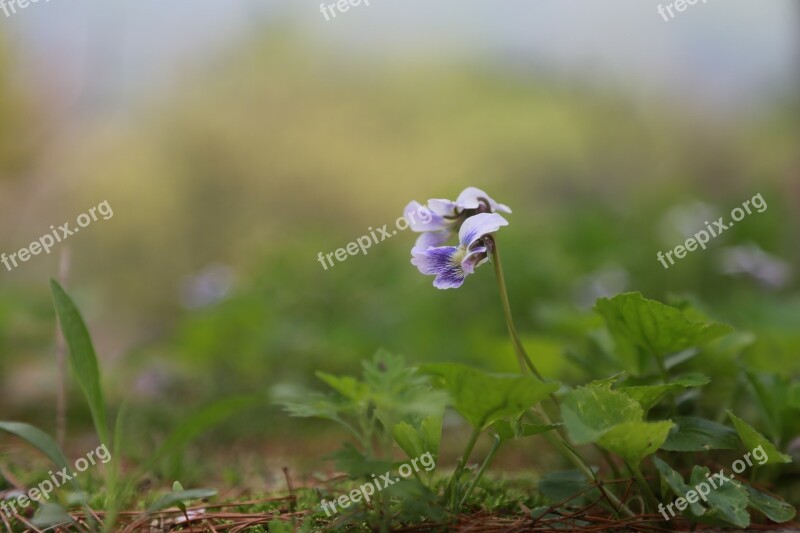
451,279
479,225
420,218
443,262
431,238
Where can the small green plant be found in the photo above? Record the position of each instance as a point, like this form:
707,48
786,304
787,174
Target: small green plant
628,418
117,492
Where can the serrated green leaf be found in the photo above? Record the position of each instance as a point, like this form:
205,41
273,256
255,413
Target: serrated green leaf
642,328
484,398
303,403
180,497
612,419
416,442
694,434
633,441
82,357
752,440
347,386
589,412
773,508
727,502
419,442
649,395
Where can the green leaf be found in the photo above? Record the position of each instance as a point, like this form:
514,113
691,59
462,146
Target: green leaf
674,481
347,386
50,515
591,411
82,357
180,497
416,442
177,487
42,442
694,434
642,328
484,398
308,404
772,397
409,439
513,429
649,395
612,419
358,464
773,508
431,432
633,441
753,440
727,502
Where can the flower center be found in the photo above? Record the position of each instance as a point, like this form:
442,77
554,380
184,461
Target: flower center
458,256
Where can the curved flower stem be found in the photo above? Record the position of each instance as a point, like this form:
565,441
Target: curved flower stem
555,438
522,355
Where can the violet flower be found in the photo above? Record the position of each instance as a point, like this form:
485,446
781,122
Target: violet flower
452,264
446,216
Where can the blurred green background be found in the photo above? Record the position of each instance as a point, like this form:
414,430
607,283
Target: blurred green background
231,166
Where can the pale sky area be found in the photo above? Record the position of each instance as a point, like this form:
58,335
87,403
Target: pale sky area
727,53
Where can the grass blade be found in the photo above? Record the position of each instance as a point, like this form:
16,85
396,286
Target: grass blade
82,357
42,442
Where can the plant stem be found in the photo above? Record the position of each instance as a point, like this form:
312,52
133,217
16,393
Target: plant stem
482,469
555,438
461,463
650,497
566,450
522,356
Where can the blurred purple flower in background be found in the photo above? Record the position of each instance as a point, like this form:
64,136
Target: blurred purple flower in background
753,262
